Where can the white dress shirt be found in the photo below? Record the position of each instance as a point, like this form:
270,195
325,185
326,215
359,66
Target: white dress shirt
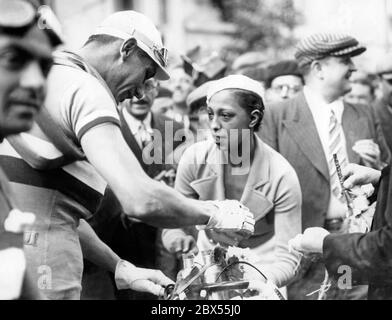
135,125
321,111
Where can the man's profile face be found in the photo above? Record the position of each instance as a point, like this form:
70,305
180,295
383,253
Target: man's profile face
130,76
336,74
24,65
139,108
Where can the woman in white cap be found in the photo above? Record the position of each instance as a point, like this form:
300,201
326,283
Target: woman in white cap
237,165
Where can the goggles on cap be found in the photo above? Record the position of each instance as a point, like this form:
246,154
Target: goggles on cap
160,53
16,14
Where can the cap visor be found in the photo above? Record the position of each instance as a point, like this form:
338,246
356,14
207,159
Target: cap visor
161,74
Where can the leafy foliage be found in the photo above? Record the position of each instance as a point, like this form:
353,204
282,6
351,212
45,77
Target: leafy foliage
260,24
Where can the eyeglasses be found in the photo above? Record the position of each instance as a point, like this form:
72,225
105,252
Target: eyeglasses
290,89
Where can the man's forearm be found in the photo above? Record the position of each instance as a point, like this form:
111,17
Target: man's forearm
164,207
95,250
368,254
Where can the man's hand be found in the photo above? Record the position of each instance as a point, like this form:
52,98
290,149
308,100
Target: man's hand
311,241
231,217
369,152
167,176
231,223
356,175
185,244
128,276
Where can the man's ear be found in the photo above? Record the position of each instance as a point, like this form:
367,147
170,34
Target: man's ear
255,118
128,47
317,69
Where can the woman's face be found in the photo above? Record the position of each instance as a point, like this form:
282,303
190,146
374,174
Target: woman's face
228,121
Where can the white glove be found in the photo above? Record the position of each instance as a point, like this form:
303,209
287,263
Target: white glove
12,260
232,216
311,241
17,221
128,276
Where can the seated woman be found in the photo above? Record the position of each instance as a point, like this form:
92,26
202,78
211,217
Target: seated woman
237,165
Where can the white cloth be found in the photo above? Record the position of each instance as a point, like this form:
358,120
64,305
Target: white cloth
321,112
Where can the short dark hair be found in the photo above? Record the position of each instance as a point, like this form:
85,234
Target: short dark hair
101,39
250,102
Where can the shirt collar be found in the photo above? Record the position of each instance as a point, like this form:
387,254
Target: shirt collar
317,104
134,124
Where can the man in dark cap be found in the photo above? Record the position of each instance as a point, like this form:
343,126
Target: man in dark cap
284,80
25,59
313,126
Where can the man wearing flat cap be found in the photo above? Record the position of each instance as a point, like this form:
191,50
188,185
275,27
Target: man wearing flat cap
313,126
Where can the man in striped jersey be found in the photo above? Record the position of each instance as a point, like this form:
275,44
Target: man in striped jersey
25,59
61,168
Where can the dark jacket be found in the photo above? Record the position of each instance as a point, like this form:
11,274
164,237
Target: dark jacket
158,122
384,114
368,255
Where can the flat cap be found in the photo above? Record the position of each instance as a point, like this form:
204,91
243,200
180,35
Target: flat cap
283,68
322,45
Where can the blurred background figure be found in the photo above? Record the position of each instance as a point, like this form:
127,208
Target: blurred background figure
197,103
247,61
284,80
180,85
362,89
383,105
258,73
163,103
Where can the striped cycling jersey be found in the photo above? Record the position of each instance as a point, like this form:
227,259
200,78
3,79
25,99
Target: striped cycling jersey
77,101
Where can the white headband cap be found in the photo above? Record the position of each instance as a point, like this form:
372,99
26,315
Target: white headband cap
236,82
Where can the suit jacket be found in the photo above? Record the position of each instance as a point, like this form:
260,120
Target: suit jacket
158,122
272,193
290,129
368,255
384,114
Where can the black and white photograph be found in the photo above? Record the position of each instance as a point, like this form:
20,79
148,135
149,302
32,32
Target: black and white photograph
192,157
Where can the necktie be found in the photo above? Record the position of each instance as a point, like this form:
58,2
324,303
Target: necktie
336,146
144,135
